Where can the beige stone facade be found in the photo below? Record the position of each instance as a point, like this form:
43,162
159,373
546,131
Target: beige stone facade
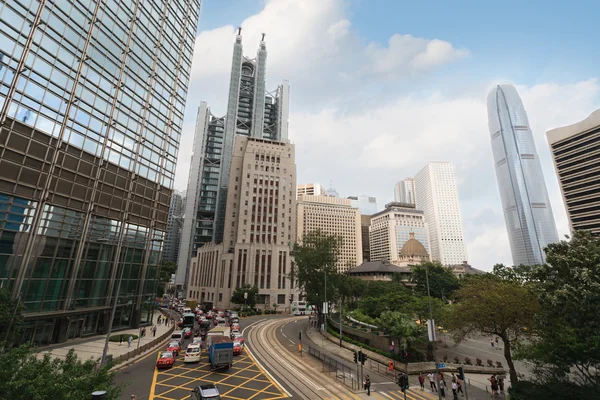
311,189
333,216
259,229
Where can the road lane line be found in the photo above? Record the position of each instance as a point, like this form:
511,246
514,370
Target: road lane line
154,377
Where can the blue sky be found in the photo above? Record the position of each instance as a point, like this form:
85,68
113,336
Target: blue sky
379,88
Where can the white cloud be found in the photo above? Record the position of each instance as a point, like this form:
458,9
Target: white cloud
351,125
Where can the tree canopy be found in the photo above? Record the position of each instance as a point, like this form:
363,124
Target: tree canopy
237,297
167,268
442,282
9,307
487,304
316,267
25,376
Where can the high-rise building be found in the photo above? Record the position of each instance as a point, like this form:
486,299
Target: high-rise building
404,192
311,189
251,111
576,157
259,229
174,225
365,223
392,228
333,216
437,196
527,211
92,96
366,204
331,191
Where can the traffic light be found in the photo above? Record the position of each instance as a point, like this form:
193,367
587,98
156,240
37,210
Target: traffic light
355,357
360,355
402,381
461,373
300,335
363,358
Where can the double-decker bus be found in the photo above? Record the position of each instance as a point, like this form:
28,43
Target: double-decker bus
188,320
299,308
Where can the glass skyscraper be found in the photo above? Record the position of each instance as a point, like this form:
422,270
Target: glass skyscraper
527,211
251,111
92,96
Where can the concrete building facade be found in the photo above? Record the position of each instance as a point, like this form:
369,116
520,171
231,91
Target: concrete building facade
404,191
437,196
311,189
259,229
576,154
393,227
527,210
92,99
251,111
333,216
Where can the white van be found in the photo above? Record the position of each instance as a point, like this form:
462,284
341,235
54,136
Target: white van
177,336
186,310
192,353
221,322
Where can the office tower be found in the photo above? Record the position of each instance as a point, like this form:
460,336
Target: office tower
404,192
365,223
331,191
251,111
437,196
311,189
392,228
366,204
174,225
92,96
576,157
527,211
336,217
259,229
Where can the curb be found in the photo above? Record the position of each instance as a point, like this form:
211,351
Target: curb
135,359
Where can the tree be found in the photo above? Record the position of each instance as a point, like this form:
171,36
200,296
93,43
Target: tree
400,327
10,316
25,376
167,269
351,287
490,305
251,299
566,344
442,282
316,267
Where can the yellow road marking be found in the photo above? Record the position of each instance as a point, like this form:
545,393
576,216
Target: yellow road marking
377,394
268,377
153,386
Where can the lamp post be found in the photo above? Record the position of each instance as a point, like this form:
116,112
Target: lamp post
437,371
326,308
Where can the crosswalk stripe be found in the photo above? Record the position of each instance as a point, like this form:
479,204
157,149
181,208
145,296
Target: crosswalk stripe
378,395
386,395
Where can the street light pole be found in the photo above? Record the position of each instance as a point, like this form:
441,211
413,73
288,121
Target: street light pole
326,304
437,371
112,317
340,321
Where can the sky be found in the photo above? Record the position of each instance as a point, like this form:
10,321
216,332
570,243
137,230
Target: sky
381,87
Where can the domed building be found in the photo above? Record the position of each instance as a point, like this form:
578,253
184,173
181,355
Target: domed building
413,252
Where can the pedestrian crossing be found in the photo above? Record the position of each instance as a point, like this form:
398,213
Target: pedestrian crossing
389,395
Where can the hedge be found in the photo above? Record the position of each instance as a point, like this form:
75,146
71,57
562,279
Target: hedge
117,338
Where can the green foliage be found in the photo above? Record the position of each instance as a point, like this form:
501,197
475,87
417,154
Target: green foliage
8,308
316,259
493,306
24,376
167,268
237,296
566,345
400,326
442,282
117,337
351,287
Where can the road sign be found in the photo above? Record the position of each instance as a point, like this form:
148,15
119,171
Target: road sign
441,366
325,308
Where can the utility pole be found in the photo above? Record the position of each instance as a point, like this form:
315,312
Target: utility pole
341,302
437,371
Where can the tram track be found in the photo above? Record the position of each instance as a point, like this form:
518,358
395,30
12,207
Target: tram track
304,381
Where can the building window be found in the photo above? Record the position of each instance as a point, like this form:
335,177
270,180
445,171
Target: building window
281,299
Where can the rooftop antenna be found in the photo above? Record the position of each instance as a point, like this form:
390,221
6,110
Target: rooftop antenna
263,37
239,30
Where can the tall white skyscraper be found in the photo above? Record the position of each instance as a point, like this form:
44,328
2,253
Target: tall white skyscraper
527,211
404,192
437,196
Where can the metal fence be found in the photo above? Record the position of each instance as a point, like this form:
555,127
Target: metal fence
342,373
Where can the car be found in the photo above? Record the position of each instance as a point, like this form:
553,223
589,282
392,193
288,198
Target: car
175,347
235,326
235,330
192,353
198,340
237,347
238,337
187,333
234,320
205,392
177,335
165,360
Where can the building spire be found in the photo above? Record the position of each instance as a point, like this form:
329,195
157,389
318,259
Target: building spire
263,37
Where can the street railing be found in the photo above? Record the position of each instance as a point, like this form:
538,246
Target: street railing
342,373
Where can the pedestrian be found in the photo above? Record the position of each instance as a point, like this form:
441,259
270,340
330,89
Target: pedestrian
154,331
121,340
421,381
454,390
492,343
432,381
133,397
158,320
496,340
368,385
459,384
443,388
129,340
501,385
493,384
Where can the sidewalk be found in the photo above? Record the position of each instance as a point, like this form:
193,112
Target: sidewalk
93,347
381,377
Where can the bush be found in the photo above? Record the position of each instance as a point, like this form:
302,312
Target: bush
479,362
490,363
468,361
117,338
499,364
456,360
